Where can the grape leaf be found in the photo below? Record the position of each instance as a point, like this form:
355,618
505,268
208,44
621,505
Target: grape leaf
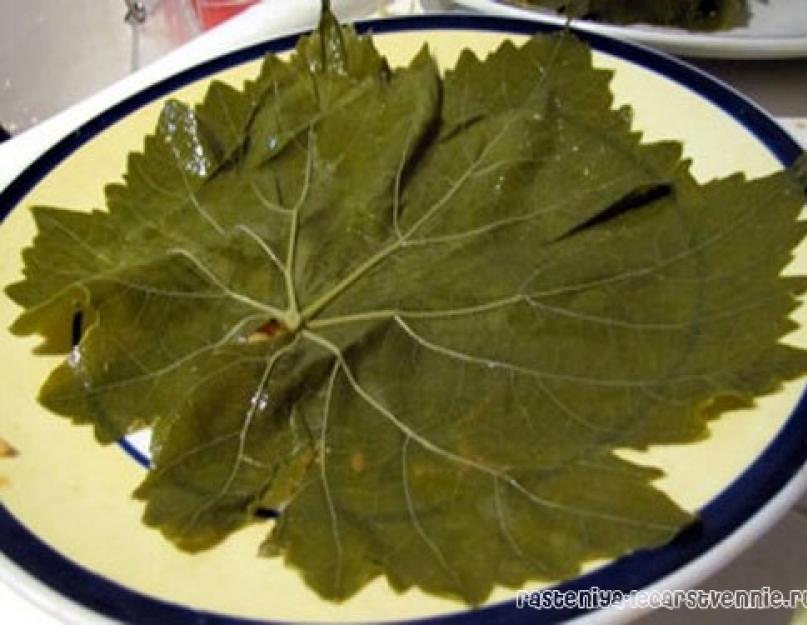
689,14
416,315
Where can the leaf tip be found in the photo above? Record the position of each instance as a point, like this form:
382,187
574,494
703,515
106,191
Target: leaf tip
799,171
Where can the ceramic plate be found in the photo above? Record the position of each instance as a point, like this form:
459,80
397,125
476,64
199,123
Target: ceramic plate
777,30
72,535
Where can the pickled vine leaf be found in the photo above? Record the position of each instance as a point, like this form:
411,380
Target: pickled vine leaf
698,15
415,314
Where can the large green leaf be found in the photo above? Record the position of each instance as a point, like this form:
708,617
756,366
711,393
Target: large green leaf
417,316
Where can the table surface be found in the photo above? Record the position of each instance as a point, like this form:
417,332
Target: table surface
777,560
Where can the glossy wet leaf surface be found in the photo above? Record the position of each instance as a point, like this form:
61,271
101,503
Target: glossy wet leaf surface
416,315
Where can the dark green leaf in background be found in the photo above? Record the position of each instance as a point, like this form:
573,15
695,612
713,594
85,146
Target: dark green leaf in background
416,315
699,15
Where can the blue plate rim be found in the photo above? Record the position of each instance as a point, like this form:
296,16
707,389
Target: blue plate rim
721,517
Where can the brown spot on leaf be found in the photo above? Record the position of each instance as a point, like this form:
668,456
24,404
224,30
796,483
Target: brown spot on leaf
268,330
476,411
357,462
271,328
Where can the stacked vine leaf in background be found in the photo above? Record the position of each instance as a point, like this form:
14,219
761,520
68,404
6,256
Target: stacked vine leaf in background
689,14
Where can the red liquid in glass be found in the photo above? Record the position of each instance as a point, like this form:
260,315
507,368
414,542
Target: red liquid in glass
214,12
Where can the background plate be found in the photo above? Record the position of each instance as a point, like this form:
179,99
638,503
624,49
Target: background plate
777,30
